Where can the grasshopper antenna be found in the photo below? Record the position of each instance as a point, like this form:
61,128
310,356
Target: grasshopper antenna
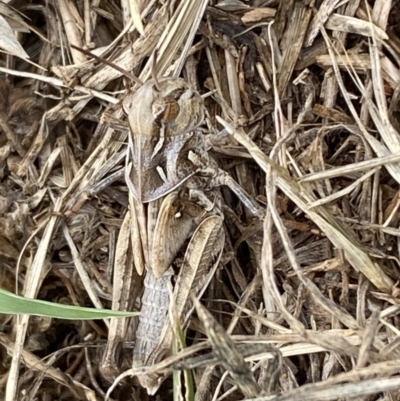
110,64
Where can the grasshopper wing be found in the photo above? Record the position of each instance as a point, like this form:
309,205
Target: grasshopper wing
200,262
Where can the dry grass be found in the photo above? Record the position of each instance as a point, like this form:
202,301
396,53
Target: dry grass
302,110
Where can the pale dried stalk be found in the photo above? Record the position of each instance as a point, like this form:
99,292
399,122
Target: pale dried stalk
351,168
322,15
339,235
34,276
69,14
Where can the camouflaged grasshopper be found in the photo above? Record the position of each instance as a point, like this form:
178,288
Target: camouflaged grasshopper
168,173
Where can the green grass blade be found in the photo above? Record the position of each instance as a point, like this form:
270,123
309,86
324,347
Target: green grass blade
12,304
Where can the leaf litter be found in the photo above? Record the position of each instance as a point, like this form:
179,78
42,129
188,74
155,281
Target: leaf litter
301,109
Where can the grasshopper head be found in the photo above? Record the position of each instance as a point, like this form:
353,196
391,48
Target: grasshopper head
169,107
163,117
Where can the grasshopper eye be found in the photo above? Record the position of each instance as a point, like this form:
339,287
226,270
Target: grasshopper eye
165,110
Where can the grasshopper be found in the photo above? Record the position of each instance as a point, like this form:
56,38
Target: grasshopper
169,174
